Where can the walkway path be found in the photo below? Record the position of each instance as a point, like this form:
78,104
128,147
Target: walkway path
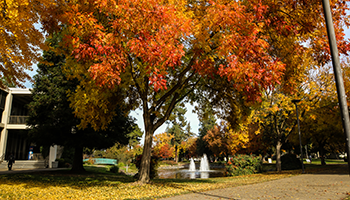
326,185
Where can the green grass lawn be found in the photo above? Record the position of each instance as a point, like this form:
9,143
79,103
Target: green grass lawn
318,161
97,183
328,161
131,168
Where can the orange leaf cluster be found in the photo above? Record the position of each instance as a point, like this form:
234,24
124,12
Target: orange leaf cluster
231,39
144,32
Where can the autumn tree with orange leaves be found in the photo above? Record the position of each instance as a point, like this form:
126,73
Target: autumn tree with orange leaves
217,140
223,140
158,53
162,145
188,148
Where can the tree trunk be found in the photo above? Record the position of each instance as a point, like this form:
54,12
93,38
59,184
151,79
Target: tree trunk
278,156
150,126
78,160
144,173
323,161
176,156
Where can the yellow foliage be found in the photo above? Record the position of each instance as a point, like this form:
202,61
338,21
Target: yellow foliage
162,138
21,40
241,137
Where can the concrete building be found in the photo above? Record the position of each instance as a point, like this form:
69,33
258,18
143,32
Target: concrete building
13,113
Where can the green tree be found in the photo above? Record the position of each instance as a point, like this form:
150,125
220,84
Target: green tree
52,120
180,129
207,123
135,136
7,82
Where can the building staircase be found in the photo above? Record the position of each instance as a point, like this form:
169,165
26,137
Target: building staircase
26,164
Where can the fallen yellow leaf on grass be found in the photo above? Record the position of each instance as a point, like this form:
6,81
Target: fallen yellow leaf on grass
17,188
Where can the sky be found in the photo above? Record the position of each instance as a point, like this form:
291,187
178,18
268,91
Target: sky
190,116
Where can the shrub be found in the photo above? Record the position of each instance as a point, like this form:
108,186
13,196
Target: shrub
113,169
121,164
289,162
66,159
154,165
64,163
168,162
90,161
243,164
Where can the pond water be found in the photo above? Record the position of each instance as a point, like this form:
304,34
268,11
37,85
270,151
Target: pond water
187,174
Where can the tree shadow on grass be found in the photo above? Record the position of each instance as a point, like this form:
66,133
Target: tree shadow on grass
65,178
339,169
85,180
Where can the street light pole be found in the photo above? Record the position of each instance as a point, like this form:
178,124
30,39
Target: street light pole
338,75
295,101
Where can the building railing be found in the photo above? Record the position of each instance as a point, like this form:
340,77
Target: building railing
18,119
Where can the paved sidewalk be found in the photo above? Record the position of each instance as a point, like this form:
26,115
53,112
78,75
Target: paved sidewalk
326,185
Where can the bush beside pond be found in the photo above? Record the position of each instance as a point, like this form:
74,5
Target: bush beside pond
243,164
113,169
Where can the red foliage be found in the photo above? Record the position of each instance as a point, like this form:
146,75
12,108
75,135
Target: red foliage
165,151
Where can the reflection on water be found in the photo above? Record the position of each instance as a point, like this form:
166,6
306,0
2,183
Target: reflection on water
204,174
186,174
192,175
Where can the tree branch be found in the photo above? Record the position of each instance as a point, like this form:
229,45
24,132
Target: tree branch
168,112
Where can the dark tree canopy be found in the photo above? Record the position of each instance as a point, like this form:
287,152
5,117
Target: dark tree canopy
52,120
207,123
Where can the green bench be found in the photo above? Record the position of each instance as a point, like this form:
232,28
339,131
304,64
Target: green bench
103,161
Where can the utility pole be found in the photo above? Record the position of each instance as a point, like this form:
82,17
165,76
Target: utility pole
338,74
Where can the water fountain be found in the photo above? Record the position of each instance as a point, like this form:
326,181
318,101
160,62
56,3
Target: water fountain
204,166
192,173
192,166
